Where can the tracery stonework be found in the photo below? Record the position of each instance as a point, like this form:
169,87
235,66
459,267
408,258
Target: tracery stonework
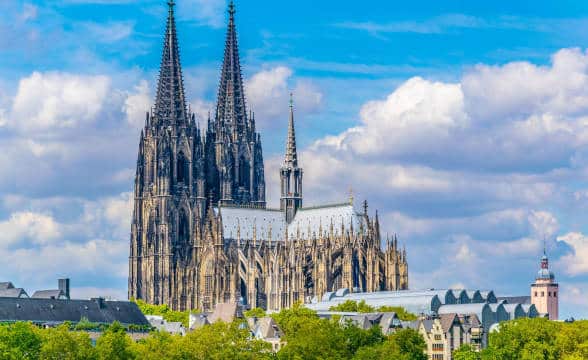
201,232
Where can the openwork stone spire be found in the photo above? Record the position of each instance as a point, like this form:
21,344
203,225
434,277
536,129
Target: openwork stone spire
291,154
231,112
170,104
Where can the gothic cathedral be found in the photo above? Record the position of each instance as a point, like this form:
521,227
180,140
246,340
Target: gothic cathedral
201,232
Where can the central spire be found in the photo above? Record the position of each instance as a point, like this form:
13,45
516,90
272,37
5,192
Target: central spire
170,103
291,158
231,112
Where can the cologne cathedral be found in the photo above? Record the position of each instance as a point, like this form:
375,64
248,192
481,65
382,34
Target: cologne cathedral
201,232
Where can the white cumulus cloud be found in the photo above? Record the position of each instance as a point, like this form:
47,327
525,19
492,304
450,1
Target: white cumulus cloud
57,100
268,93
576,262
22,226
137,104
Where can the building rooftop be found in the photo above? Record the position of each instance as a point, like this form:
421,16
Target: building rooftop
270,224
49,294
58,311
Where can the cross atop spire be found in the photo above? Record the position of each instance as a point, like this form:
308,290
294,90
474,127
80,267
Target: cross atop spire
231,111
170,103
291,154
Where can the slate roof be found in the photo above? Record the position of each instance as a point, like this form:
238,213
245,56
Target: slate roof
266,328
243,220
479,309
388,321
240,222
225,312
48,294
57,311
447,321
13,293
411,324
6,285
310,220
427,324
173,327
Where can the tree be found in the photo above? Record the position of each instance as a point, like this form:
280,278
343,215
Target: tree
466,352
353,306
165,311
400,311
19,341
314,338
255,312
159,345
410,343
356,338
223,341
290,320
63,344
523,339
115,344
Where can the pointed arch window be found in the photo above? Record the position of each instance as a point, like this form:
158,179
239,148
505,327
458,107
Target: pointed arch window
182,171
244,170
183,228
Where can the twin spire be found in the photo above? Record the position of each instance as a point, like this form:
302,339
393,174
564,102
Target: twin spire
231,111
170,102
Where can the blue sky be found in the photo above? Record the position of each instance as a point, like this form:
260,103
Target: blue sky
464,123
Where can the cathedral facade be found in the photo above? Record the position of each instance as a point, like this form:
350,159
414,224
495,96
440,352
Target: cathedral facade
201,232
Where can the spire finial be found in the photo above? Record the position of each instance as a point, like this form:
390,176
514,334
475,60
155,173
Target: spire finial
231,8
365,207
350,195
291,100
171,3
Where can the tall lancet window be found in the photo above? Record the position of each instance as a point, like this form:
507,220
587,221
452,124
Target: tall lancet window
183,244
182,169
244,170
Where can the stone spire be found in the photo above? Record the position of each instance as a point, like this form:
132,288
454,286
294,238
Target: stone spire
170,103
291,154
231,113
290,173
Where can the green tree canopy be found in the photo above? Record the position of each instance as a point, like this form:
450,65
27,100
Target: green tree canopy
536,339
115,344
19,341
255,312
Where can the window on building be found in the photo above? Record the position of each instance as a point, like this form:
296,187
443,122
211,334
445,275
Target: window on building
555,294
542,293
549,294
437,337
535,293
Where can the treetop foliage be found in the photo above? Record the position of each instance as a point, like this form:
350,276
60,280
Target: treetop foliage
165,311
533,339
